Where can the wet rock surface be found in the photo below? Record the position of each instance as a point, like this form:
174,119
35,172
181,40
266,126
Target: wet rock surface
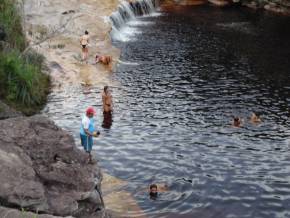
13,213
43,171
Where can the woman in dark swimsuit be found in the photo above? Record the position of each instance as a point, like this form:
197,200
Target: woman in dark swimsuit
84,41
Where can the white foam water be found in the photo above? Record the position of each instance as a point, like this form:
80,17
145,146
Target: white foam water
125,18
139,23
127,63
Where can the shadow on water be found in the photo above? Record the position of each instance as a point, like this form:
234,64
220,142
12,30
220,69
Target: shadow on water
192,72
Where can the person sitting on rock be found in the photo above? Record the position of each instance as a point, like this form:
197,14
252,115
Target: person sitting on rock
87,131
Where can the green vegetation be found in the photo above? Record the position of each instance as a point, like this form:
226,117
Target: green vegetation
22,84
24,214
10,21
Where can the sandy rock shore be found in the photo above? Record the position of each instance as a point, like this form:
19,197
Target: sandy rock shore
54,27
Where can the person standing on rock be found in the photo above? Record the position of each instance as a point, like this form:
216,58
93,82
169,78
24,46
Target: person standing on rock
107,107
84,41
87,131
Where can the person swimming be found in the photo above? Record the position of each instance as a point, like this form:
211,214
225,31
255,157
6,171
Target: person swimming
237,122
255,118
153,191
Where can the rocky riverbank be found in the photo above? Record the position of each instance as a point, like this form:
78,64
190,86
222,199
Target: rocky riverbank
42,171
7,112
53,28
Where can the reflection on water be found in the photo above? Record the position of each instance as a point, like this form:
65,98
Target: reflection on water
171,124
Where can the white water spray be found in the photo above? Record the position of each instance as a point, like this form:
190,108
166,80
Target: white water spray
128,11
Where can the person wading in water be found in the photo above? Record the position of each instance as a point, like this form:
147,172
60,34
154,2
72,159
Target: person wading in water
84,41
87,131
107,107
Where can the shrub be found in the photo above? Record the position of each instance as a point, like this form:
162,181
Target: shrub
10,21
21,82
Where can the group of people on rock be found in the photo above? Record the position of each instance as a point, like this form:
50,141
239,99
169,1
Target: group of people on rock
84,42
87,130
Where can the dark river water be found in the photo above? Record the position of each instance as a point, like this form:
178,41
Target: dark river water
181,79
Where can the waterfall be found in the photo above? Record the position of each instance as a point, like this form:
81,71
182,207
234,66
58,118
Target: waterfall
128,11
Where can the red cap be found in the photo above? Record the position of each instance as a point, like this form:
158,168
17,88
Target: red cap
90,110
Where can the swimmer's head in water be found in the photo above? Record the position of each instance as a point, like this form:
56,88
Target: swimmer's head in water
153,192
256,114
86,32
255,117
237,121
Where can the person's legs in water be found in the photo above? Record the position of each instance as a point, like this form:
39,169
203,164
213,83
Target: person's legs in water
107,122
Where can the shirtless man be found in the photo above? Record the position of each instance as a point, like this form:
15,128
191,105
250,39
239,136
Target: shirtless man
84,41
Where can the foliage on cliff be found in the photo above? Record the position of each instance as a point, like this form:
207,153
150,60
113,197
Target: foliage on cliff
22,83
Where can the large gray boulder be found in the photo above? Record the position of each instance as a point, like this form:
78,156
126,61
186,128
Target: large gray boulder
13,213
42,170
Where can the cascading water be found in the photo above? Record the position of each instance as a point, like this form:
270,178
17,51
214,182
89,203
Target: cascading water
128,11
